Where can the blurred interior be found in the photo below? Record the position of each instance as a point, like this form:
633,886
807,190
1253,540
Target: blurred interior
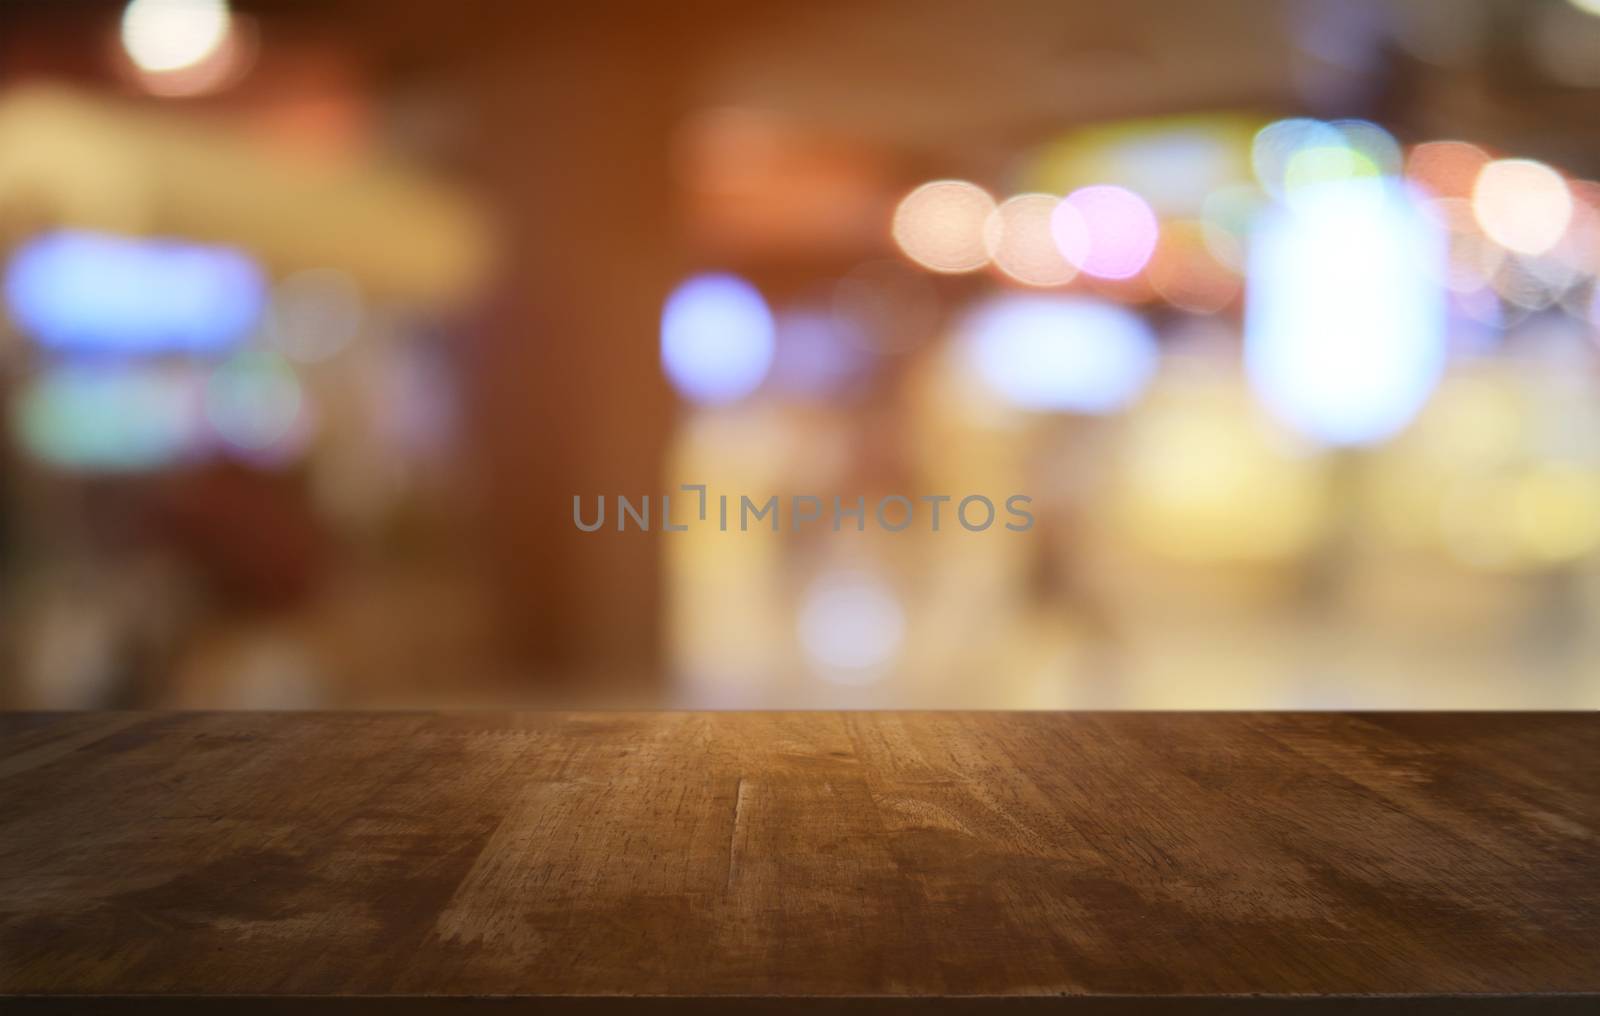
318,316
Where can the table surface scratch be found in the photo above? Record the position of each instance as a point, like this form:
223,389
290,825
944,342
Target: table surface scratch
795,855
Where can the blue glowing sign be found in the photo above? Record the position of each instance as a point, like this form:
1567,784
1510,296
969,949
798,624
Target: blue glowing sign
95,293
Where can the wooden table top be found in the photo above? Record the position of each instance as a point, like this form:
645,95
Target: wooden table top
1085,863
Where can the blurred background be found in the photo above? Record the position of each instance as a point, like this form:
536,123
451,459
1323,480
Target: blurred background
317,316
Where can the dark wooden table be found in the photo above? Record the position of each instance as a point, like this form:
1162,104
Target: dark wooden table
787,862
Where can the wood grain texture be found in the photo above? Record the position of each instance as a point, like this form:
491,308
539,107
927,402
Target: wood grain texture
1031,862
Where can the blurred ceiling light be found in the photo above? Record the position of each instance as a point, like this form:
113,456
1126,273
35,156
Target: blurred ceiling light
257,406
1587,6
1184,272
108,417
852,624
223,66
96,292
1019,238
1524,205
1345,322
1120,226
170,35
1446,169
315,313
717,338
940,226
1060,354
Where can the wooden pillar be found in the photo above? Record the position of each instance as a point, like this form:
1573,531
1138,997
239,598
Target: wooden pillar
573,145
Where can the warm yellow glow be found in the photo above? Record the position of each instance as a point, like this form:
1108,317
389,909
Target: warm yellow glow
1204,478
1018,238
1326,164
1587,6
170,35
1557,513
1476,422
1524,205
940,226
1477,513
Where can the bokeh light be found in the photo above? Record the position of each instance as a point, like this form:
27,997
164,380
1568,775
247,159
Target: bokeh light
1375,146
1446,169
1185,273
1557,513
717,338
315,313
1121,231
1578,250
852,624
170,35
1524,205
1345,316
1533,282
1290,155
1059,353
1173,162
1276,145
1199,457
96,292
258,407
940,226
1019,237
1326,164
108,417
1474,259
819,353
